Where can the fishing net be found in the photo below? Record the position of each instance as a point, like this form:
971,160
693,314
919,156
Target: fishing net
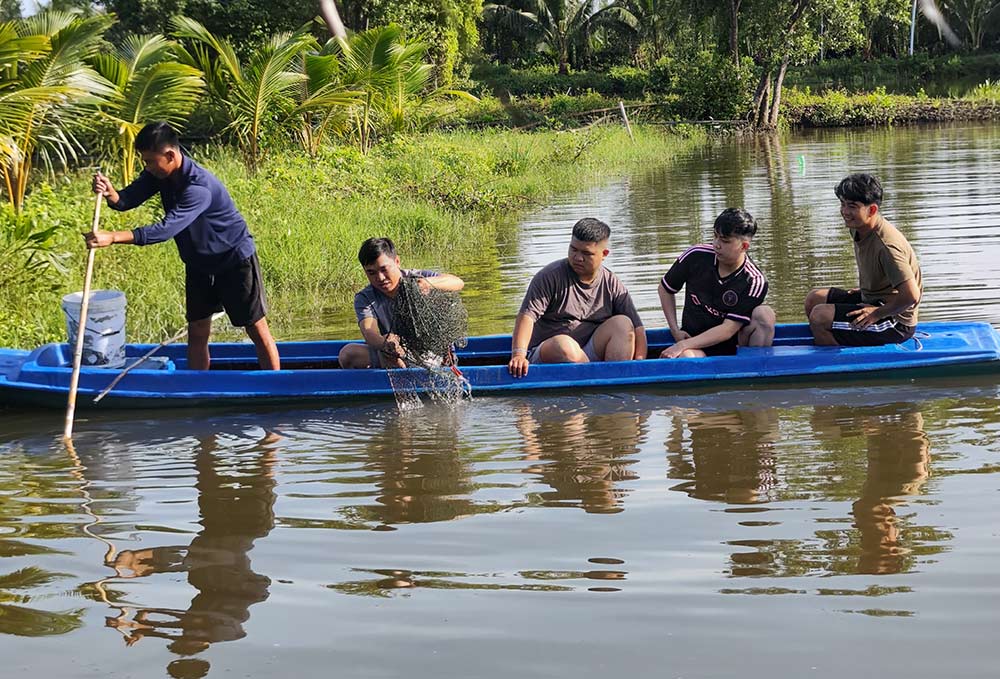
429,326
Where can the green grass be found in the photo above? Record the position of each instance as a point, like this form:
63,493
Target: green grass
834,108
440,196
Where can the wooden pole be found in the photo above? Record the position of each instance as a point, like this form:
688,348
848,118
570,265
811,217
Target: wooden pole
126,371
621,107
74,380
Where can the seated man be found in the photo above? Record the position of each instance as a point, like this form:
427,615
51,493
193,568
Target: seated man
576,311
884,309
724,295
374,305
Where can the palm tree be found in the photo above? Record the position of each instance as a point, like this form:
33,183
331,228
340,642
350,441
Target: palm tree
324,101
394,80
46,92
149,85
254,96
651,21
562,26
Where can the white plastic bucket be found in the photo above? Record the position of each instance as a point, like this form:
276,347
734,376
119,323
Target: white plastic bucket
104,335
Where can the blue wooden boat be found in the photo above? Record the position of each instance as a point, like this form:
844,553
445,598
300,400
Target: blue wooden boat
310,372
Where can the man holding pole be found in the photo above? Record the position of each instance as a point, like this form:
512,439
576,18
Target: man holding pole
220,260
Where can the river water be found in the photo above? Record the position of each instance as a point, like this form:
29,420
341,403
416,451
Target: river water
811,531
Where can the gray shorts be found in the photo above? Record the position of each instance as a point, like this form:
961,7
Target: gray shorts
588,349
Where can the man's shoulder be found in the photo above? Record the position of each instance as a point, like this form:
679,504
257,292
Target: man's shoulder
197,175
365,296
553,271
699,253
753,272
892,237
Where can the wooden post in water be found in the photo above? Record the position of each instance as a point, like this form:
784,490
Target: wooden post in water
74,380
628,126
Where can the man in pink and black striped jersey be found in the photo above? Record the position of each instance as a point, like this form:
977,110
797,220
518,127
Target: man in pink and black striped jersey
724,294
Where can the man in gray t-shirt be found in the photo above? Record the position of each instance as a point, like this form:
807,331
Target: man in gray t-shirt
576,311
373,305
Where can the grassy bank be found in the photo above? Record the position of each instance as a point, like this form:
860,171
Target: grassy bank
439,196
837,108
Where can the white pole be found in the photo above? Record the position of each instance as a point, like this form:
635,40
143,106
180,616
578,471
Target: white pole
74,380
628,126
913,25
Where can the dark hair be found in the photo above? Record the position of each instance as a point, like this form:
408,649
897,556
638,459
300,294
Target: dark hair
373,248
590,230
156,137
860,188
735,221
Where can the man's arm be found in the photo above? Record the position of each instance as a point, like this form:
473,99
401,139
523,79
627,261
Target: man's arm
133,195
907,295
190,205
709,338
387,345
523,327
102,239
445,282
641,345
668,302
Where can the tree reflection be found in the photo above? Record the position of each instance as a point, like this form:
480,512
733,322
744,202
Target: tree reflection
582,456
235,501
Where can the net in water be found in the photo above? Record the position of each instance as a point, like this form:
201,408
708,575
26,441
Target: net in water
429,326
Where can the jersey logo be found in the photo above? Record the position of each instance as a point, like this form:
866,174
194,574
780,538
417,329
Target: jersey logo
730,298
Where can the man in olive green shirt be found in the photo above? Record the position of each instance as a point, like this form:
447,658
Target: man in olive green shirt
883,310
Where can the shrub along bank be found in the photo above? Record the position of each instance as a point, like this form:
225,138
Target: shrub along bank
439,196
837,108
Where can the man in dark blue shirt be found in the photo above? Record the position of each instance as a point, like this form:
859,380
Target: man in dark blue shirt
220,260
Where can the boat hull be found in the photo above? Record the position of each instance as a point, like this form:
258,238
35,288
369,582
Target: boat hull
41,378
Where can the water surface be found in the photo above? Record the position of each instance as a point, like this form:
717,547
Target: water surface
827,531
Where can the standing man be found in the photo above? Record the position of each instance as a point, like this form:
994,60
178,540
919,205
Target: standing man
884,309
374,305
220,260
724,293
577,311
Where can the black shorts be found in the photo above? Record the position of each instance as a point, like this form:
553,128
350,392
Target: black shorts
886,331
727,348
239,291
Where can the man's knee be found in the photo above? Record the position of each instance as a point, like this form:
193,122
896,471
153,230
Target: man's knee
200,330
760,331
561,349
814,298
821,315
764,317
354,357
618,326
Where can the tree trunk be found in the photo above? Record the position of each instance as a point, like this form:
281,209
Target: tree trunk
329,10
760,97
776,99
734,30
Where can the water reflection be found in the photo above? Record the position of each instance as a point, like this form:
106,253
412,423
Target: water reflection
421,469
898,459
583,456
236,495
724,456
734,457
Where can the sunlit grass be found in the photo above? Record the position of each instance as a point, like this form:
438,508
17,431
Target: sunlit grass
440,196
